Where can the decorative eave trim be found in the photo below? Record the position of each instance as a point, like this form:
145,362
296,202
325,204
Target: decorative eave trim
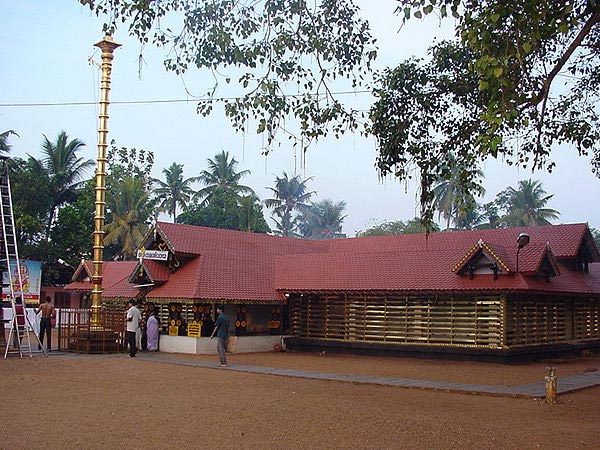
151,236
480,247
82,267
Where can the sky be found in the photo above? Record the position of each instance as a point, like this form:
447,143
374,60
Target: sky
46,47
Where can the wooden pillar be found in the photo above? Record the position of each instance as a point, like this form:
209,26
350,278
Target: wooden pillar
550,385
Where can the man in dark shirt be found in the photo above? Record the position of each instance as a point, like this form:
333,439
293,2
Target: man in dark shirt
222,330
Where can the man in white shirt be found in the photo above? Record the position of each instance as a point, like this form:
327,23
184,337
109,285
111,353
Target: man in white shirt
133,320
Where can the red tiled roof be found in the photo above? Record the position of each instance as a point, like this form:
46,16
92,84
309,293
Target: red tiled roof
565,240
157,272
249,267
232,265
115,279
416,263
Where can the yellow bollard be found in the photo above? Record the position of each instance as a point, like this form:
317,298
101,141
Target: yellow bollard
550,385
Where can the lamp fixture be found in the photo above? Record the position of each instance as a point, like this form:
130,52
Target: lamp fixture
522,241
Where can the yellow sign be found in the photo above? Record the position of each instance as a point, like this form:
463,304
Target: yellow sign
173,330
194,329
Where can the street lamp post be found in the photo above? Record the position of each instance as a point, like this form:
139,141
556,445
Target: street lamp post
108,46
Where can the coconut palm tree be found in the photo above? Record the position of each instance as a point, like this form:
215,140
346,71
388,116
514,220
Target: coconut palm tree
4,145
291,195
175,190
222,174
129,211
526,206
323,220
251,217
65,171
453,201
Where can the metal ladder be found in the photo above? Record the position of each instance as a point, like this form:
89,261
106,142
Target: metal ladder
10,264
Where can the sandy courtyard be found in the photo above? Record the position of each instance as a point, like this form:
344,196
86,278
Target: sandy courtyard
69,402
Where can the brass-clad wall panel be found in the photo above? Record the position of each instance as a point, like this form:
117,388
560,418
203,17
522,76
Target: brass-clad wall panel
474,321
587,319
531,322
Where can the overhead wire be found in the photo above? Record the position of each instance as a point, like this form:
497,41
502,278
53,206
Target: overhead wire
155,101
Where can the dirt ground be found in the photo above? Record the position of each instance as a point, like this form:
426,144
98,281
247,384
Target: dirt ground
66,402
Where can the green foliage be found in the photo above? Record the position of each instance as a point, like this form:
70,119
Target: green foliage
129,207
4,145
32,203
130,211
532,68
323,220
251,217
526,206
426,120
69,237
72,234
596,234
222,211
290,199
452,201
267,48
227,210
175,190
397,227
126,162
63,170
221,174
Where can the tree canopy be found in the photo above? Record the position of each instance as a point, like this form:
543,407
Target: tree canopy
222,174
282,56
227,210
175,190
4,144
290,200
522,78
396,227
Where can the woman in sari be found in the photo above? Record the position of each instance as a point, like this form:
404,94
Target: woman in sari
152,331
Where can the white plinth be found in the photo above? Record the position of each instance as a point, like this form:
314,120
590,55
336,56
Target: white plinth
207,346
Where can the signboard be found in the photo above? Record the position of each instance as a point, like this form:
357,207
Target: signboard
31,276
194,329
159,255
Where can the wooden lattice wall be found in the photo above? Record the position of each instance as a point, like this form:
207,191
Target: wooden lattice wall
456,321
587,320
490,322
541,321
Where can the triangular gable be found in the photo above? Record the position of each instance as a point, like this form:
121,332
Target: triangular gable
482,258
587,252
150,272
538,260
115,282
84,271
157,239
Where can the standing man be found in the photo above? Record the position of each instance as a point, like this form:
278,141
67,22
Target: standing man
133,320
222,330
48,313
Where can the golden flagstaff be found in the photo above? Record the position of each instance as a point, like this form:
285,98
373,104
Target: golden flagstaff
108,46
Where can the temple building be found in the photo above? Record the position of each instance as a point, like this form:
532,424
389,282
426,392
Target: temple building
498,294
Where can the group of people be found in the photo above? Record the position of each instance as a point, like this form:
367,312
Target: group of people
133,333
133,329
